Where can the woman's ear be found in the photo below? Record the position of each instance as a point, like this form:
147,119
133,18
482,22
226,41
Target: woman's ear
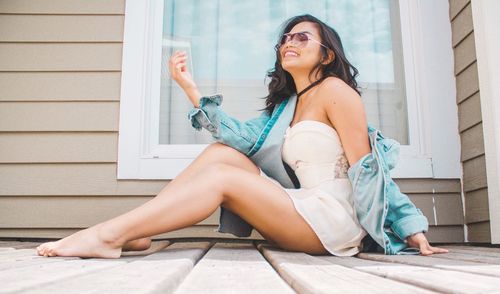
331,57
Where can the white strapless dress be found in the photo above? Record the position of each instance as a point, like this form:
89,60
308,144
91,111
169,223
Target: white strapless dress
325,199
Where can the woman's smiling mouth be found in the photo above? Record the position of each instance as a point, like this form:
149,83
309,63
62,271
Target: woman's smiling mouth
291,53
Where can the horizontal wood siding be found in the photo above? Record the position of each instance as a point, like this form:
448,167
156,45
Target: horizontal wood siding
470,123
60,70
60,86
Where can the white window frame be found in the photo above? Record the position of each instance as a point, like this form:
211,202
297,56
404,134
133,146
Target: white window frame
430,84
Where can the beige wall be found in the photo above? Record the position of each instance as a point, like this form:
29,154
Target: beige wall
470,123
60,64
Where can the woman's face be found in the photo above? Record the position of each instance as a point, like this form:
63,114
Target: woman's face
301,59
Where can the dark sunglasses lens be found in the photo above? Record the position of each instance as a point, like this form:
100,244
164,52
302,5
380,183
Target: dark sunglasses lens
302,37
283,39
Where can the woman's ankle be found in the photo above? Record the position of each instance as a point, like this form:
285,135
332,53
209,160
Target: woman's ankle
109,235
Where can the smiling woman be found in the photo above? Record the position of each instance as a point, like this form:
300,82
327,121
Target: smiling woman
328,120
319,216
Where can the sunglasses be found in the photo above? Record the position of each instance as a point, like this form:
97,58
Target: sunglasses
300,38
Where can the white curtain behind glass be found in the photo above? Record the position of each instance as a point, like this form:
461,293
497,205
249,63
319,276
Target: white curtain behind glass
232,48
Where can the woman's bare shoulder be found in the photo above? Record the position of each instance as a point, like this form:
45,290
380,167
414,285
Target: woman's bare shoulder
333,85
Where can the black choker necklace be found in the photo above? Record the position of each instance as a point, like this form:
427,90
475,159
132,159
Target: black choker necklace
310,86
303,91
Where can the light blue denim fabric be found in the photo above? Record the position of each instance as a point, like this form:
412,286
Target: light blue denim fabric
383,211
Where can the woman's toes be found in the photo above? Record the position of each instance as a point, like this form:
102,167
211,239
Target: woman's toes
45,245
41,250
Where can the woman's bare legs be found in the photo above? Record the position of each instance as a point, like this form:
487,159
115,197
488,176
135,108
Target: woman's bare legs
240,188
216,152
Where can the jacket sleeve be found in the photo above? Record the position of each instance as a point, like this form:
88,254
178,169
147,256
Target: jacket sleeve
224,128
403,216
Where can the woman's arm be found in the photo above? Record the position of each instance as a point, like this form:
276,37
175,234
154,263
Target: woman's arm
178,70
346,112
241,135
208,114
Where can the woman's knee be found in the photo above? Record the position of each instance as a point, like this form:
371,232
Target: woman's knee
221,153
217,168
220,148
216,174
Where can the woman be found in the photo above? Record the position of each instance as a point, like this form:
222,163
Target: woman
318,218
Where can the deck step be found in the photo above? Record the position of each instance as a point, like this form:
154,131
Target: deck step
233,268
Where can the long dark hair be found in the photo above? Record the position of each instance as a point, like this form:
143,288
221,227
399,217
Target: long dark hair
282,84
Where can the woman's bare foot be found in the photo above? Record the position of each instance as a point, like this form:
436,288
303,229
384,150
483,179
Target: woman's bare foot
90,242
137,245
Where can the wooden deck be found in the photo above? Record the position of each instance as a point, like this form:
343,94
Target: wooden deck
244,266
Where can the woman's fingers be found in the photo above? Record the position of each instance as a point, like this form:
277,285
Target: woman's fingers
178,62
177,66
419,240
176,57
424,249
179,59
427,249
175,62
438,249
178,53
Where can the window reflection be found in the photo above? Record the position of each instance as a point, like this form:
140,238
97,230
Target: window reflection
232,48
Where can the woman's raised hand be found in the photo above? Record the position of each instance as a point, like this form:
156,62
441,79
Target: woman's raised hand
178,70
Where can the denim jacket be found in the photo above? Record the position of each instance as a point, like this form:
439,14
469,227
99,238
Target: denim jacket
387,215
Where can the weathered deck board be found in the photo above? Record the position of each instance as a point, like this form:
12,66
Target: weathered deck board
450,264
30,262
7,254
24,278
18,245
155,247
486,251
233,268
18,255
469,257
309,274
160,272
19,263
25,258
440,280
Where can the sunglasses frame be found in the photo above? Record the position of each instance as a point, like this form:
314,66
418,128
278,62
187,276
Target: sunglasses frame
291,36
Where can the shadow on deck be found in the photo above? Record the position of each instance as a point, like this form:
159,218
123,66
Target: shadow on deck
246,266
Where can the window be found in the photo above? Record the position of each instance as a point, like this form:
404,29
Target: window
231,44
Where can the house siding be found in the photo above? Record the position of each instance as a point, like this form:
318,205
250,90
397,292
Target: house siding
475,185
60,70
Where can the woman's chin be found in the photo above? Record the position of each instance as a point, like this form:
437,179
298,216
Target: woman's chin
291,67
